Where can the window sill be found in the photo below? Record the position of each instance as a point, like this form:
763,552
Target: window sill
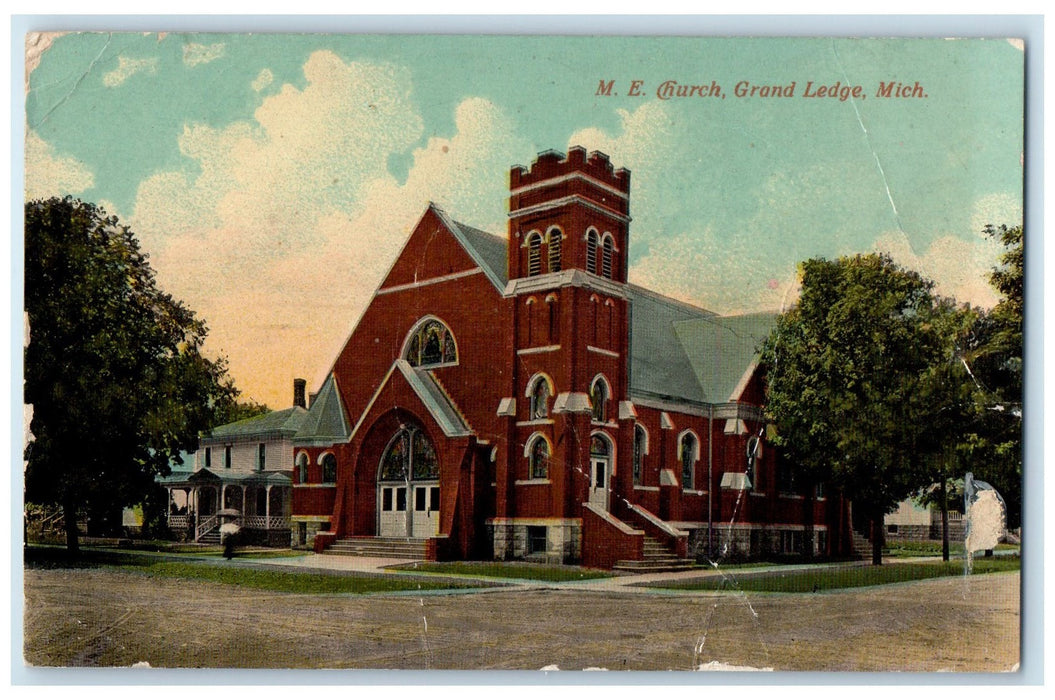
534,421
793,496
315,486
693,492
531,482
645,488
608,424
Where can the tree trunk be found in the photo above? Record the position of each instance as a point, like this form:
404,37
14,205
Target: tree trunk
808,534
69,518
877,539
944,520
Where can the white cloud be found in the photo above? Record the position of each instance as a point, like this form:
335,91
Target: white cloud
127,67
49,174
285,225
197,54
263,79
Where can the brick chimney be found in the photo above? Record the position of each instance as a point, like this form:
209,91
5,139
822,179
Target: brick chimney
299,386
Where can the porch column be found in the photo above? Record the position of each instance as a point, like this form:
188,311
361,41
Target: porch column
244,509
267,508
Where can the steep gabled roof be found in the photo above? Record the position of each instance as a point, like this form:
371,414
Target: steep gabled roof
682,352
723,350
436,400
274,424
325,421
659,366
486,249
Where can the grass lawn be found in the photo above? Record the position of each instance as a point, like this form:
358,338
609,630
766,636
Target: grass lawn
232,573
533,572
933,549
810,581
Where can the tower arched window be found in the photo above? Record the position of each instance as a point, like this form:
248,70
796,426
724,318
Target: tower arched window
409,455
640,449
687,454
540,393
599,399
551,306
534,245
329,468
302,468
606,257
553,249
431,343
538,458
591,251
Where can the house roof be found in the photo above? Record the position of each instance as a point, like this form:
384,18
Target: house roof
274,424
325,420
279,478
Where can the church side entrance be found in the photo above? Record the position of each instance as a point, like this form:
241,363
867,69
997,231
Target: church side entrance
408,487
600,471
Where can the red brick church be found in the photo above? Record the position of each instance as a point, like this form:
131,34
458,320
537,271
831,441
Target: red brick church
515,397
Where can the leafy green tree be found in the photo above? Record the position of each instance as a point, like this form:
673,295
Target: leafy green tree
994,450
113,368
844,369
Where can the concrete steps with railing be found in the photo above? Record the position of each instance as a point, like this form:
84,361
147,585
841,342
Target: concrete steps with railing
657,558
384,547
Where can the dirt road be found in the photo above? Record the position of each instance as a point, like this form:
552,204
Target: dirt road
107,618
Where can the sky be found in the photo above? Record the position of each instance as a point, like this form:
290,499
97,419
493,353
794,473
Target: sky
272,179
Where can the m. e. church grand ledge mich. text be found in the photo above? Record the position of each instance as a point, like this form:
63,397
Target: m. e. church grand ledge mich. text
672,89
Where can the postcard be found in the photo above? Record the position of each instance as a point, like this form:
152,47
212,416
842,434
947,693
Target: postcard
536,353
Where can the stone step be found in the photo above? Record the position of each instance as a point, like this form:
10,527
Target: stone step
387,547
646,567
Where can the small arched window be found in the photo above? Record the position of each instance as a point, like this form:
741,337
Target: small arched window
553,250
431,343
599,399
329,469
599,446
606,257
538,457
687,454
302,468
540,394
534,245
591,251
409,454
551,306
640,448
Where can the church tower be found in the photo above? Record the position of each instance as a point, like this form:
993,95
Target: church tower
567,264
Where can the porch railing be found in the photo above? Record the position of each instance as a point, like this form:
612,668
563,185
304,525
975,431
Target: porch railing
263,522
206,524
179,522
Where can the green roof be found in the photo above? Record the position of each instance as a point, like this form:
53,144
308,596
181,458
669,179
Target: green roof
683,353
721,350
275,423
325,420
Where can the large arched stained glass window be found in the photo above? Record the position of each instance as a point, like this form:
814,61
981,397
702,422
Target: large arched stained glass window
431,343
410,454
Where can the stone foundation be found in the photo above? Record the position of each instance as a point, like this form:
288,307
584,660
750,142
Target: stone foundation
302,532
548,540
744,542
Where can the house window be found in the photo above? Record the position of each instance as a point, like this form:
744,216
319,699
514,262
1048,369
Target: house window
554,249
540,394
591,251
534,244
785,477
227,457
431,343
208,457
606,258
687,455
261,456
539,458
302,468
640,446
329,469
410,455
599,399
